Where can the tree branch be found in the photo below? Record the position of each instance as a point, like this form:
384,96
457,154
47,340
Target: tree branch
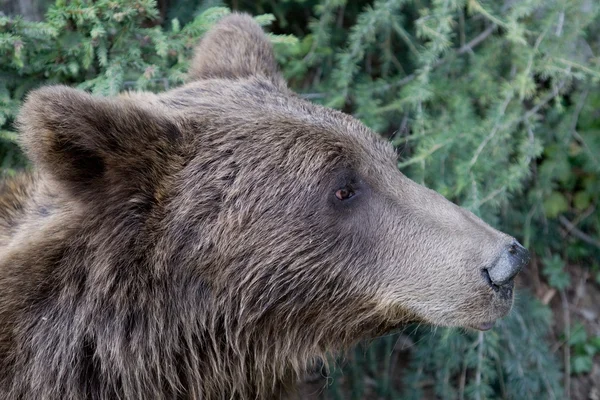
566,348
545,100
479,364
493,132
476,41
576,232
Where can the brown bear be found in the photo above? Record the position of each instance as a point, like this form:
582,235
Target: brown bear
214,241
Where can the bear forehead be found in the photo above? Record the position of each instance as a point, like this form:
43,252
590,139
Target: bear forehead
256,106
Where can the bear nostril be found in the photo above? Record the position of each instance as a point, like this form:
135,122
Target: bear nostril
520,254
486,276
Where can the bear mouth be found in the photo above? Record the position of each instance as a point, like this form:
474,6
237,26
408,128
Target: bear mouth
485,326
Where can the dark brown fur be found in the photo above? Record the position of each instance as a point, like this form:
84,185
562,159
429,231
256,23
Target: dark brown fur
190,245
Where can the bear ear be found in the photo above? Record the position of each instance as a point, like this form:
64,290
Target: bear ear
93,143
236,47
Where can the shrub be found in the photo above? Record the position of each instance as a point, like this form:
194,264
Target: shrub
491,103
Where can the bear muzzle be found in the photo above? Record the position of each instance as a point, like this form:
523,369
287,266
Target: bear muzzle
510,262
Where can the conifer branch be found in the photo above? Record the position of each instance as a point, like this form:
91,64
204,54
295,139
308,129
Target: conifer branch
493,194
549,97
476,7
593,156
443,112
476,41
579,107
461,27
576,65
423,156
494,130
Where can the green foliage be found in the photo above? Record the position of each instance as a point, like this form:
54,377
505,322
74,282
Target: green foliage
554,270
583,349
104,46
509,361
492,103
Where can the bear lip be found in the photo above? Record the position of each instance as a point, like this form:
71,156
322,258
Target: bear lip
485,326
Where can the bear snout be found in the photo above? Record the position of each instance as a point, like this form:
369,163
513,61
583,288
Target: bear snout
510,262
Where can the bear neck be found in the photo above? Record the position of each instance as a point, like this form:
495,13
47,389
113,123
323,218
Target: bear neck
110,307
116,317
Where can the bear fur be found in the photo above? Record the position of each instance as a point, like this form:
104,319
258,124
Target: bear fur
216,240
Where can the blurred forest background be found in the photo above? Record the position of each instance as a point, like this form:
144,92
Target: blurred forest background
493,103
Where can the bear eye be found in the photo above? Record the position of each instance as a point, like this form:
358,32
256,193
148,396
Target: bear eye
344,193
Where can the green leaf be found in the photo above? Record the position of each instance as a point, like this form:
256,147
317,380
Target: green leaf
555,204
595,341
582,200
554,270
578,335
581,364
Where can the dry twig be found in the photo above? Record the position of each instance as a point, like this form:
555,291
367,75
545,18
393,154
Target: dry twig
571,228
566,349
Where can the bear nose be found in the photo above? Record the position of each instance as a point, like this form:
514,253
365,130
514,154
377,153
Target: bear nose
508,265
